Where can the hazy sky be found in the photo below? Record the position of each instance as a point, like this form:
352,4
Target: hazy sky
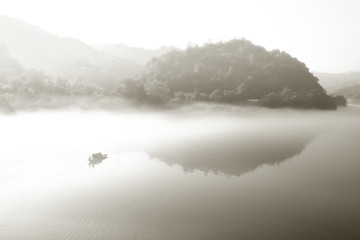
322,33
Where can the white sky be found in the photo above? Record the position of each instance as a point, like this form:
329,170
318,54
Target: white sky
325,34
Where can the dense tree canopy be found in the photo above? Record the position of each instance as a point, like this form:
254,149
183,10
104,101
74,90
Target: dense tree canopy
232,72
237,70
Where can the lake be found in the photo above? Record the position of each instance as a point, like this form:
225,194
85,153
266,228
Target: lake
203,172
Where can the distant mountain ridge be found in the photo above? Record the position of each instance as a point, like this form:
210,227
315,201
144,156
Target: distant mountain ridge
346,84
352,93
8,64
333,82
138,55
233,72
38,49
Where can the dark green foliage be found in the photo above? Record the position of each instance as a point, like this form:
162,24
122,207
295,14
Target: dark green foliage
130,88
238,70
340,100
301,99
232,72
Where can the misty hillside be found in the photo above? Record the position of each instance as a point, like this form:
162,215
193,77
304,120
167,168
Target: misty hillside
346,84
8,64
352,93
333,82
235,71
38,49
138,55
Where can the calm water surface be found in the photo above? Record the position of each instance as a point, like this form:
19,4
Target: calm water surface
243,174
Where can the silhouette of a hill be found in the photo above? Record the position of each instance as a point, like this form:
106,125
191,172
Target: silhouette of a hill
234,71
38,49
333,82
138,55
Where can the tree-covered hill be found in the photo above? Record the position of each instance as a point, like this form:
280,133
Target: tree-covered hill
235,71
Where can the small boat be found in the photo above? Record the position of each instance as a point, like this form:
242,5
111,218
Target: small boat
96,158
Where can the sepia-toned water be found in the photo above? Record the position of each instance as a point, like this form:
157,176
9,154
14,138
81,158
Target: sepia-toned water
246,173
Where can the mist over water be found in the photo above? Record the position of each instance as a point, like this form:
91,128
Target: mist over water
112,127
207,173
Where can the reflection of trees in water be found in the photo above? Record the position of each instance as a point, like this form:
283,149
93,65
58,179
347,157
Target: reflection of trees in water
232,156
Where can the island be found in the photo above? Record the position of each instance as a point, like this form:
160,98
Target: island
232,72
235,72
